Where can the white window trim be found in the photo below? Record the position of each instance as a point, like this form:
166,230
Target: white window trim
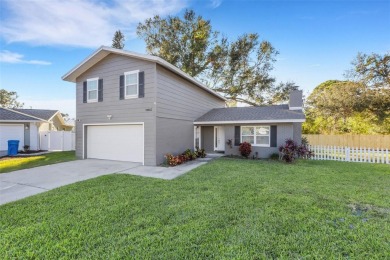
254,135
97,90
134,95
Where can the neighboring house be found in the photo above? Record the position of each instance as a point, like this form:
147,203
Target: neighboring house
134,107
26,124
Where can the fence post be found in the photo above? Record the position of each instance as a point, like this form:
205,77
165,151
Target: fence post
347,154
62,139
387,156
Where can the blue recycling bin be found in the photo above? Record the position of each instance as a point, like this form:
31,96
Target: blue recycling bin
13,147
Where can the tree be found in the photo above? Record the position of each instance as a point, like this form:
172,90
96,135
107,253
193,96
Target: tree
240,70
372,70
336,107
333,101
189,43
118,41
8,99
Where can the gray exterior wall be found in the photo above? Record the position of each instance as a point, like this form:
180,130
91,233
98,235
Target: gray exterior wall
168,110
179,103
122,111
297,131
284,131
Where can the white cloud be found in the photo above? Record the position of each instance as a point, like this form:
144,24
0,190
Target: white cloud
85,23
13,57
215,3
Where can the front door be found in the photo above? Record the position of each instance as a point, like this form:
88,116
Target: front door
219,138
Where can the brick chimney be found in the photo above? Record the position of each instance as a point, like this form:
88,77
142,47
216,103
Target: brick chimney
296,100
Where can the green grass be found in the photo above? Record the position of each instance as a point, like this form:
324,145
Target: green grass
228,208
9,164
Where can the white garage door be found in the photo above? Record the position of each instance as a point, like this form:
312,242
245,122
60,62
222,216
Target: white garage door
116,142
11,132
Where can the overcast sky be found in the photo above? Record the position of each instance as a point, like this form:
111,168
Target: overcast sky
42,40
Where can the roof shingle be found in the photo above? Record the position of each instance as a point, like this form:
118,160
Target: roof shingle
44,114
10,115
269,113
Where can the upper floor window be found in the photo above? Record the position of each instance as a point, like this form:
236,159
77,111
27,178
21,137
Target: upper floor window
256,135
92,90
131,84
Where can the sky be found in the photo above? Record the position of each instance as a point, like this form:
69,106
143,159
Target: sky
41,40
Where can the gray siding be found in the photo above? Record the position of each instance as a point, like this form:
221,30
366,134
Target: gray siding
173,136
297,132
179,103
284,131
128,110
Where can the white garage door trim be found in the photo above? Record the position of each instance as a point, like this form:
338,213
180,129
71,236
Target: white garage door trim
21,137
107,124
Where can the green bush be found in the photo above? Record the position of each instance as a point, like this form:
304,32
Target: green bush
274,156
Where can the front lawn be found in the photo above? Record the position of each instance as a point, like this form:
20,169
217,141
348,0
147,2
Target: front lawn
228,208
9,164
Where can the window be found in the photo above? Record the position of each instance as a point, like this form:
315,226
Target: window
131,84
92,90
256,135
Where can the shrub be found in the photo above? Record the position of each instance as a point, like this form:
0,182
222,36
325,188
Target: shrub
274,156
304,152
181,159
200,152
245,149
290,150
171,160
194,155
188,154
304,141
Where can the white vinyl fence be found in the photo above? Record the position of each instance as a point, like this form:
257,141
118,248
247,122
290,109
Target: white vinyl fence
350,154
57,140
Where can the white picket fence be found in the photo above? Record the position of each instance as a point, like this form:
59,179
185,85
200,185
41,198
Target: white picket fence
57,140
350,154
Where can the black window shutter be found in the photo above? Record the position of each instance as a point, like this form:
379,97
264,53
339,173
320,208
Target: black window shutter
122,87
84,92
237,135
100,90
141,84
274,136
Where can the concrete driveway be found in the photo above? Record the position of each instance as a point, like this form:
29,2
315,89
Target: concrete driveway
24,183
20,184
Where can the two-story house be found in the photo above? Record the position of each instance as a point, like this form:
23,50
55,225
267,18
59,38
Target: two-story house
134,107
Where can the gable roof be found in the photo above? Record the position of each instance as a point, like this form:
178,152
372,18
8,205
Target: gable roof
262,114
44,114
103,51
8,115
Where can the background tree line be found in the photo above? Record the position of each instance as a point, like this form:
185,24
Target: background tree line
358,105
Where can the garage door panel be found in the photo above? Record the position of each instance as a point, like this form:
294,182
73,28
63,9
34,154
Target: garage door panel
115,142
11,132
